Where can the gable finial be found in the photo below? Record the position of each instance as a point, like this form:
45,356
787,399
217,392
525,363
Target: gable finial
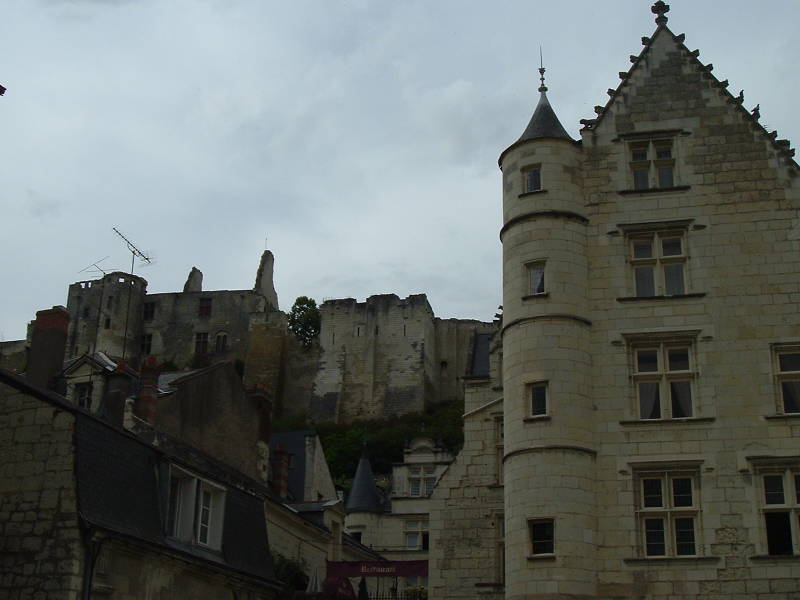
660,9
543,87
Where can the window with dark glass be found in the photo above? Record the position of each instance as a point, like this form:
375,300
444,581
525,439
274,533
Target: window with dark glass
532,179
668,512
663,371
788,368
659,264
149,311
538,394
536,278
147,343
204,307
201,343
781,510
542,534
652,164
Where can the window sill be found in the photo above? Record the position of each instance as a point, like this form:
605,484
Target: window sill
533,193
782,416
545,557
495,486
671,560
687,420
536,418
676,188
535,296
492,585
662,297
775,557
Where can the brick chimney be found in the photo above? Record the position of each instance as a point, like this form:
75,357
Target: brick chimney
145,406
48,343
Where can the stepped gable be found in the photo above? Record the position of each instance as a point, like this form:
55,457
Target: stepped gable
781,146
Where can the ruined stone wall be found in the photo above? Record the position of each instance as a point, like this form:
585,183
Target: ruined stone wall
106,316
387,356
14,355
126,571
178,318
40,548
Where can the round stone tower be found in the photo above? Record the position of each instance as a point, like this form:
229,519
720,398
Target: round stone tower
549,456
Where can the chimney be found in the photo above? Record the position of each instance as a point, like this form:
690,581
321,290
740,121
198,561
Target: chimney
145,406
280,471
48,344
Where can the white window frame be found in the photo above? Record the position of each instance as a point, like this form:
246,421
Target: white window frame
533,540
671,510
195,509
789,475
653,163
785,376
663,376
536,277
421,480
499,445
531,389
659,263
528,182
414,532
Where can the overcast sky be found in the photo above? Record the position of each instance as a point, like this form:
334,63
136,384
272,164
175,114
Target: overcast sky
357,139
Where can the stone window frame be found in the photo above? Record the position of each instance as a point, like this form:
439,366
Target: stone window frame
531,179
201,343
421,480
194,518
542,537
146,344
500,547
149,311
205,306
416,533
659,261
787,472
669,511
663,339
651,161
82,394
786,376
535,277
666,378
542,387
221,342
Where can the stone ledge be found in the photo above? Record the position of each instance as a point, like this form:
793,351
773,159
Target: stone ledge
688,420
536,418
671,560
781,416
535,296
677,188
544,557
661,297
533,193
775,557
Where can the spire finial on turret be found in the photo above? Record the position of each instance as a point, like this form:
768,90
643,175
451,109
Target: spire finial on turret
660,9
543,87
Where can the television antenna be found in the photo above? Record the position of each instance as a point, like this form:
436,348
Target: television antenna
135,253
95,267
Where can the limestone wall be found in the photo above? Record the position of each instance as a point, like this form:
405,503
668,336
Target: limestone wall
40,549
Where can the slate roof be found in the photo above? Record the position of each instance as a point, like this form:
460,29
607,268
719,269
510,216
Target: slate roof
479,366
544,123
364,495
122,484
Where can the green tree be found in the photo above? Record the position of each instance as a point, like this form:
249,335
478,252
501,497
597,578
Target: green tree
304,320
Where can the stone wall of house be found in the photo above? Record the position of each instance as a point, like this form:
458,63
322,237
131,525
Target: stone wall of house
14,355
40,547
466,508
126,571
731,204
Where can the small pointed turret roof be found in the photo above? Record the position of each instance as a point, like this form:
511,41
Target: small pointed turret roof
544,123
364,495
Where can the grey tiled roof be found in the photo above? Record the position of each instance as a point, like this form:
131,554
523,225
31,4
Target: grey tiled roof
544,123
364,495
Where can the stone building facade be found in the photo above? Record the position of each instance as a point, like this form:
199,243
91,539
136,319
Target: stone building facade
650,351
388,356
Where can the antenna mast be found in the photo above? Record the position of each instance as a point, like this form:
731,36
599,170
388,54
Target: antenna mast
135,252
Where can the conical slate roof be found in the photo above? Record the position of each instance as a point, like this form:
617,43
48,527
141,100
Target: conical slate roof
544,123
364,495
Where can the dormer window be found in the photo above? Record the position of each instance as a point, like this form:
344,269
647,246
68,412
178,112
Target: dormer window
196,509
